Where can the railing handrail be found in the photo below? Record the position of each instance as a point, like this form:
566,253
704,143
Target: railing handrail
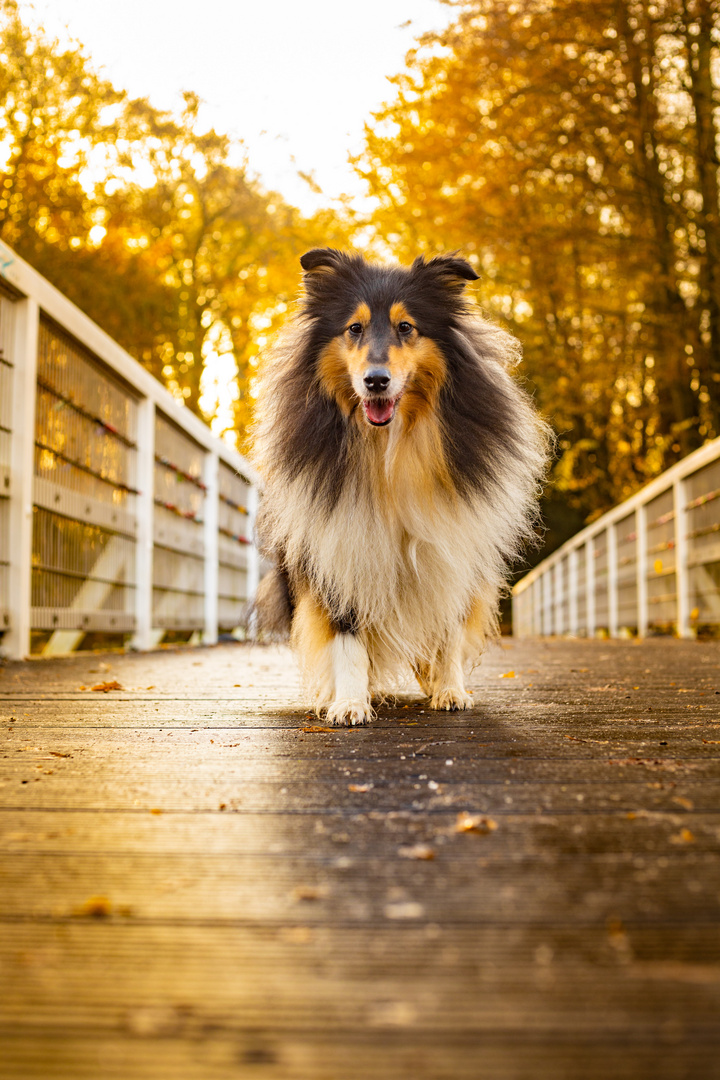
160,561
29,283
682,469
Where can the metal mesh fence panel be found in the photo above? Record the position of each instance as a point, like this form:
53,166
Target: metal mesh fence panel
660,553
178,568
627,614
703,538
7,328
85,465
233,541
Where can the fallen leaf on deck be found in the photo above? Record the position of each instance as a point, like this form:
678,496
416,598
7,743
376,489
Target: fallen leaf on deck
309,892
476,823
507,675
103,687
683,837
417,851
97,907
359,787
56,753
317,727
682,801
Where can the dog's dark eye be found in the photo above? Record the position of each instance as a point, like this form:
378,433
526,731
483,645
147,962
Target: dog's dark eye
405,328
355,329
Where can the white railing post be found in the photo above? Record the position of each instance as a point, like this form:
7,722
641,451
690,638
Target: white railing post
16,642
612,559
558,620
641,569
537,606
519,609
145,511
682,573
573,592
252,576
211,479
590,586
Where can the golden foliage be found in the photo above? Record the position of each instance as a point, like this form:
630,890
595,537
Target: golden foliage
568,149
142,218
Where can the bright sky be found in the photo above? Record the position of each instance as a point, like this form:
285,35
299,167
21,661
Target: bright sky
295,79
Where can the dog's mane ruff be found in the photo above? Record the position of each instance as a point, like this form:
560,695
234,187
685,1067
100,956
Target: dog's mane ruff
365,517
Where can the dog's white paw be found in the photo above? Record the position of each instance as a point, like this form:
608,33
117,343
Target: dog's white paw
348,713
452,699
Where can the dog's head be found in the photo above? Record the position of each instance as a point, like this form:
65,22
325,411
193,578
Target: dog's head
377,332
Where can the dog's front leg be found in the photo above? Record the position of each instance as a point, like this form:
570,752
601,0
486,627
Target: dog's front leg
447,681
351,679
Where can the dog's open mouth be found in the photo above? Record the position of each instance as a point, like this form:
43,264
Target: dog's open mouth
379,411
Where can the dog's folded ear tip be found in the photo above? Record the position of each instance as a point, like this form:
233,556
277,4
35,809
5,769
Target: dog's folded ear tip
317,257
448,266
467,271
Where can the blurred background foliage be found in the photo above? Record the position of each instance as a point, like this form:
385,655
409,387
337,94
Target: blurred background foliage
568,148
142,218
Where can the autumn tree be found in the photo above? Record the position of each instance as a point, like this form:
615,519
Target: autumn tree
150,222
569,149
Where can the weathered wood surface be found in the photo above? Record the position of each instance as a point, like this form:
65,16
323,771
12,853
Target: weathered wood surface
194,886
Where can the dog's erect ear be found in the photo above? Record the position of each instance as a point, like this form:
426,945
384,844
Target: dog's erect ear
449,269
323,259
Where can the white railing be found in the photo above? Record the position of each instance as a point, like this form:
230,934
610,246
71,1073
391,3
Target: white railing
122,518
650,565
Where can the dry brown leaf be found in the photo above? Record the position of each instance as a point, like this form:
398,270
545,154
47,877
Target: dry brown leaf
685,836
317,727
104,687
309,892
96,907
476,823
418,851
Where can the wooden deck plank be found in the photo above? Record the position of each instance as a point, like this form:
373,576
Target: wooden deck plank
191,886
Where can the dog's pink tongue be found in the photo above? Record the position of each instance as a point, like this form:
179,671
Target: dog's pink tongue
379,411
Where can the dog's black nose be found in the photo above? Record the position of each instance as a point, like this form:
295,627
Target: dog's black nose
377,380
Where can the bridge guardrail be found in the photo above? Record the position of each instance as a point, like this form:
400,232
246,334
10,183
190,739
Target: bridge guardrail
120,512
649,565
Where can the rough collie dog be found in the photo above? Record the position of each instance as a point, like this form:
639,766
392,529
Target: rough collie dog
401,467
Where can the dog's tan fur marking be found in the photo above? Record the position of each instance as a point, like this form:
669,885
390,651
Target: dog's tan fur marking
426,373
334,374
399,313
361,315
311,637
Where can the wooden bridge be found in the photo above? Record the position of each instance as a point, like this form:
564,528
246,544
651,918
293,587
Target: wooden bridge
200,882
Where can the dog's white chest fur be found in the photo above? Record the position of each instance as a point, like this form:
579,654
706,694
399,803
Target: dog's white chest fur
407,560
